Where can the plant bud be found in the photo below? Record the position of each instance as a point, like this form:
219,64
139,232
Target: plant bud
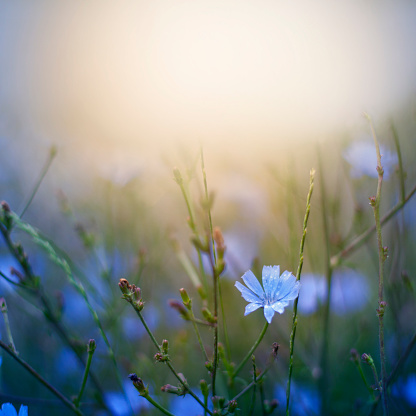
138,384
91,345
185,298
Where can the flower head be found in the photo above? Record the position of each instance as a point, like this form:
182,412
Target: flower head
278,291
7,409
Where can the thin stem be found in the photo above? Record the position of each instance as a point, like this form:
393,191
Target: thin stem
399,156
168,363
157,405
3,307
328,275
382,257
32,371
47,309
91,349
253,397
52,154
360,370
298,273
252,349
198,335
215,364
363,237
396,368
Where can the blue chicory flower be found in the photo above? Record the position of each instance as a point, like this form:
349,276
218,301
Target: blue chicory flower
362,157
7,409
278,291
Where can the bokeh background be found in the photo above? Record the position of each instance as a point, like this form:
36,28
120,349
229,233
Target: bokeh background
125,91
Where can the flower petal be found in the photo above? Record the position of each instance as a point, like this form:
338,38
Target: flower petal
23,411
252,283
270,277
248,295
280,306
8,410
268,313
251,307
288,287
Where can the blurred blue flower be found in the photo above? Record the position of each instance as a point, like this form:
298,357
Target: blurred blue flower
278,291
406,388
350,292
7,409
304,400
362,157
116,401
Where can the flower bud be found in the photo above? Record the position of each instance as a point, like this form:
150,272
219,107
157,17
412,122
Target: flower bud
165,346
367,359
180,308
232,406
91,346
168,388
177,176
208,316
209,366
354,356
204,388
138,384
124,286
372,201
185,298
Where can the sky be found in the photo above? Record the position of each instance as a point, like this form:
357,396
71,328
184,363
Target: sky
109,80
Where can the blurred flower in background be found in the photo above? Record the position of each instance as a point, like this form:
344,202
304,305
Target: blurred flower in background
116,401
349,292
305,400
405,388
362,157
7,409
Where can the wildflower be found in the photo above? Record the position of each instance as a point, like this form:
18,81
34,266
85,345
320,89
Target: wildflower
362,157
7,409
278,291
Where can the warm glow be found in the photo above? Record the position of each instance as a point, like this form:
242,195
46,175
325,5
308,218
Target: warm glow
151,72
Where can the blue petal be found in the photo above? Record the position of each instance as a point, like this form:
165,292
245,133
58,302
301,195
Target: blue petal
252,283
23,411
288,287
8,410
280,306
248,295
268,313
270,275
251,307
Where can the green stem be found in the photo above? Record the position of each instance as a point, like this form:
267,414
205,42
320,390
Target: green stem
363,237
157,405
253,397
52,154
198,335
393,374
298,273
168,363
382,257
4,310
252,349
360,370
86,372
328,274
215,364
32,371
47,309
